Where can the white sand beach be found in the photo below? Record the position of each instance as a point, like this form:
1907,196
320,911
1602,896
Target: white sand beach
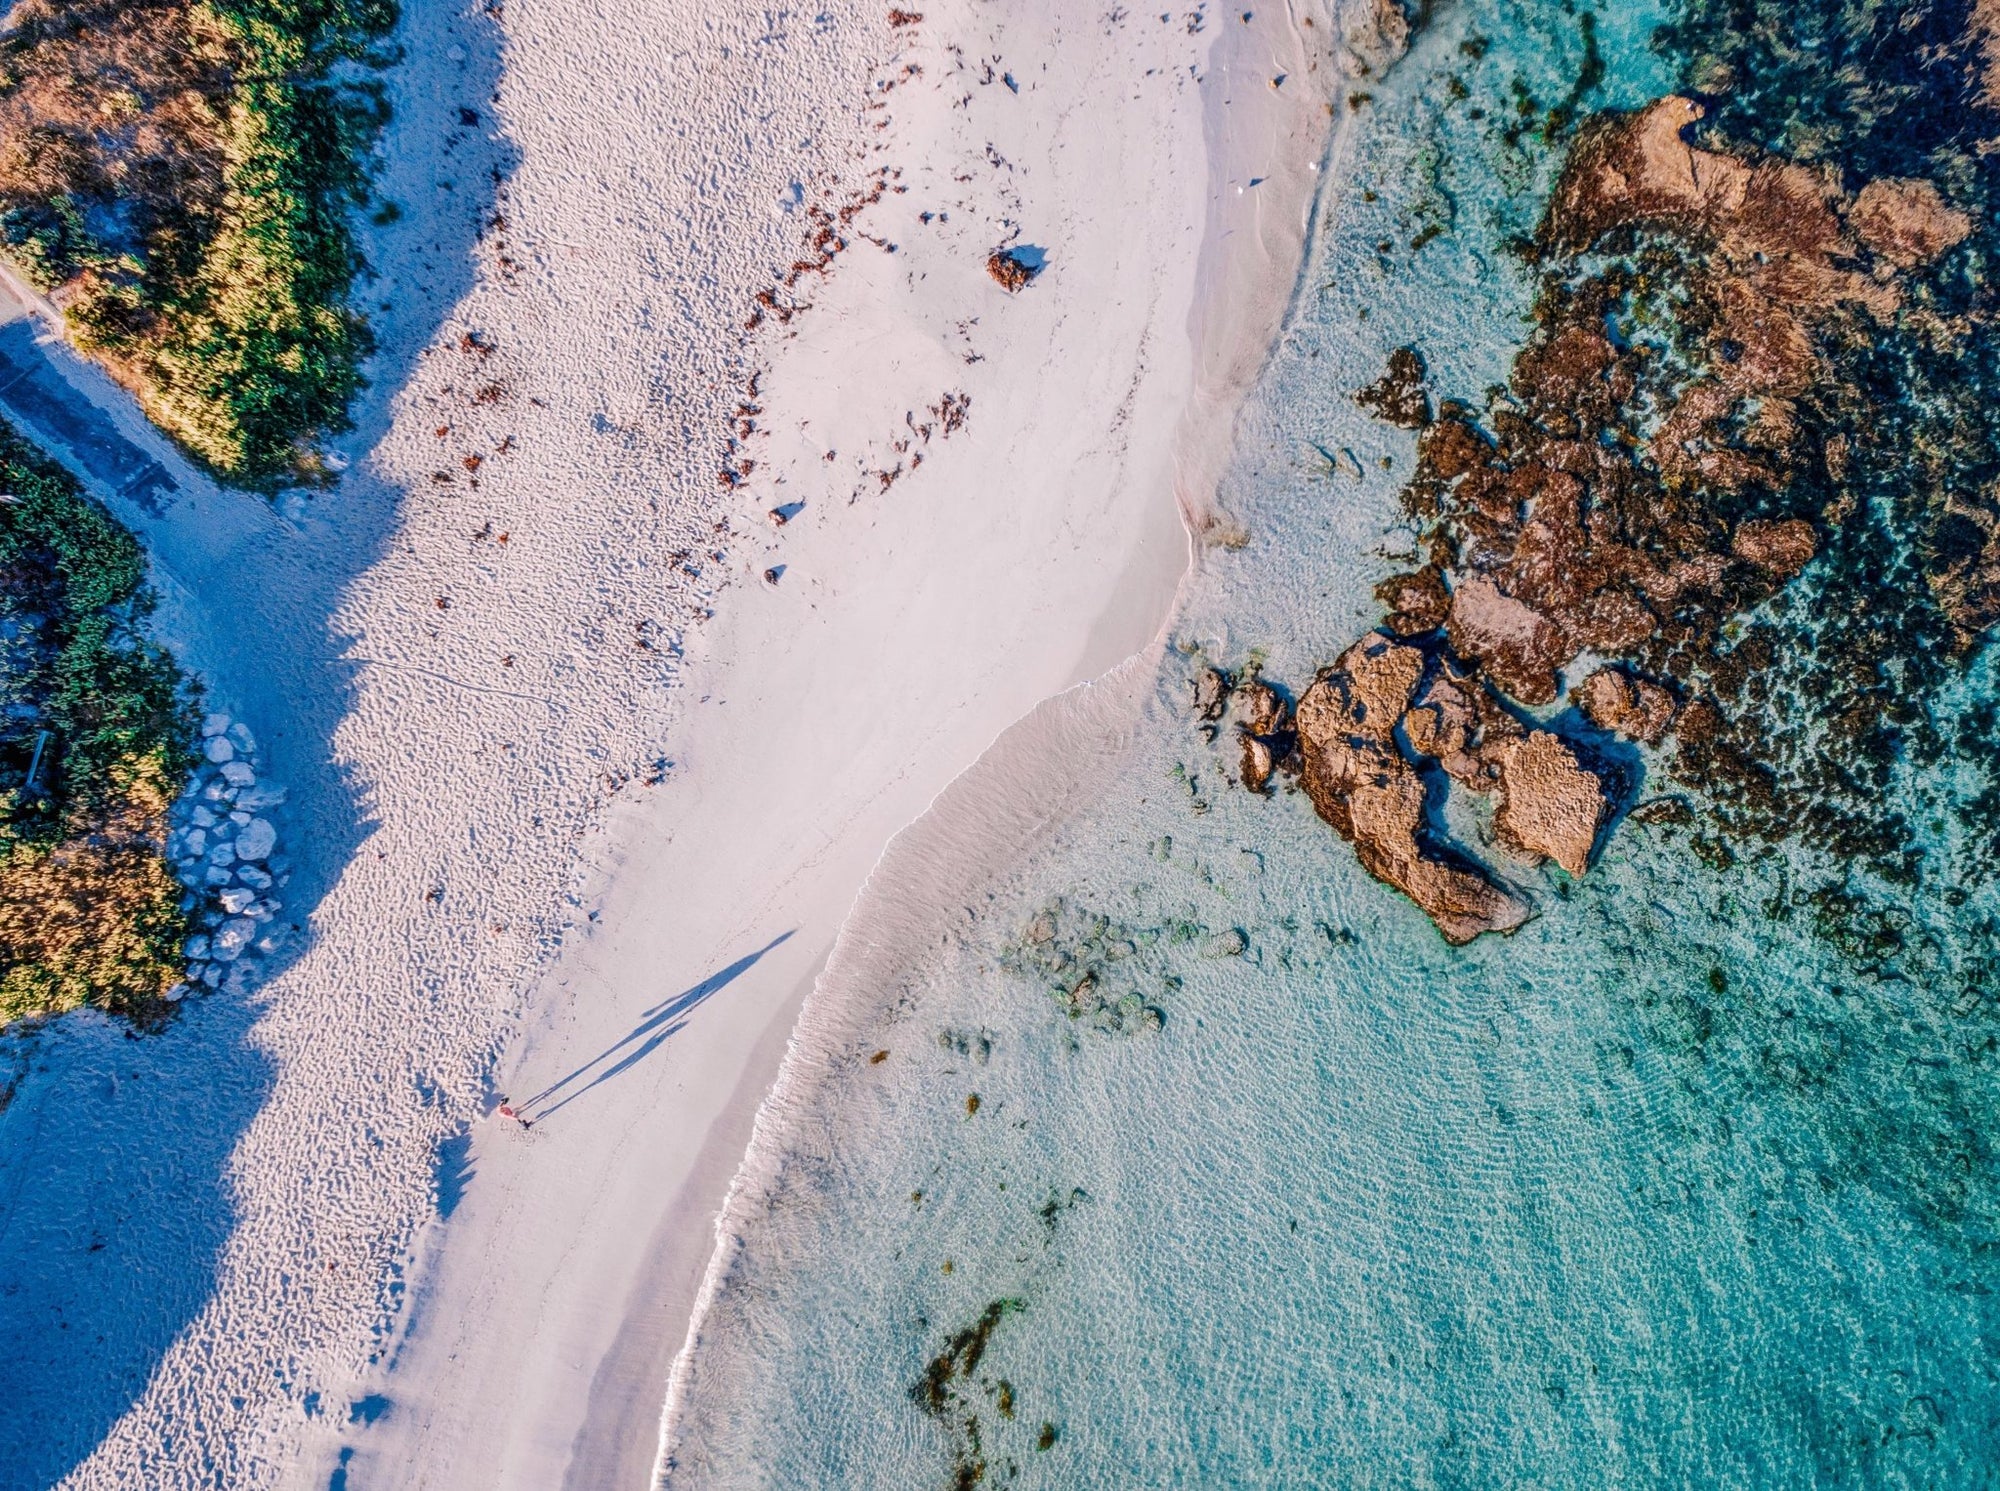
589,757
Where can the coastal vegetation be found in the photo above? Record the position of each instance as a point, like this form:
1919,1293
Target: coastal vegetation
95,731
177,177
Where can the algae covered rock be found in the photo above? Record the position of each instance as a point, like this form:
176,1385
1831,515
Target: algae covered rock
1632,707
1906,222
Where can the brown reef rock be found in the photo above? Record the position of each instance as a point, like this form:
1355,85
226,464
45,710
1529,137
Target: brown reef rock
1263,723
1361,783
1635,708
1784,548
1906,222
1211,694
1549,805
1399,395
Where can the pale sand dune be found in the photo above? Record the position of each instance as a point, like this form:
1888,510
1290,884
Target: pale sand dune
482,820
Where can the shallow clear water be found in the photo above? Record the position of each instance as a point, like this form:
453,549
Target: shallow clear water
1686,1183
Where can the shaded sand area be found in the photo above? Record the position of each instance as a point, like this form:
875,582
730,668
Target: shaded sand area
588,754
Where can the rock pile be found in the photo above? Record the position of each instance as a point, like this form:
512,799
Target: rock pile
1386,726
224,849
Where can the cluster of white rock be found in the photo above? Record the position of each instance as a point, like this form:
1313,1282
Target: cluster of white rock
223,847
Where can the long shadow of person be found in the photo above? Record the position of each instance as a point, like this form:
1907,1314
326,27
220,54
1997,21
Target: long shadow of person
656,1026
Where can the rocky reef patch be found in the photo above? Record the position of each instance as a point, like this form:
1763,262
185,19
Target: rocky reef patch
1734,519
1103,975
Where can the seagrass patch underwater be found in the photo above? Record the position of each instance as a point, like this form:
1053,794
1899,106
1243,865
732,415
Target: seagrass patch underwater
1563,1053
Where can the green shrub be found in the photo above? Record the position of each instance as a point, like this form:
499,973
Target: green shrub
224,306
89,909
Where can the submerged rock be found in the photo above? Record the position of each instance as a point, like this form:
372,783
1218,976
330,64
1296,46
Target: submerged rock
1965,576
1520,647
1259,708
1227,944
1211,694
1784,548
1263,721
1417,602
1256,763
1399,395
1906,222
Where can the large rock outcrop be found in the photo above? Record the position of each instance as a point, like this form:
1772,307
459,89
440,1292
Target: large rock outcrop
1369,726
1550,806
1362,784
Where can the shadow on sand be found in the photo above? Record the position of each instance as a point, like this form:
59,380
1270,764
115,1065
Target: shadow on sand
115,1206
116,1203
656,1026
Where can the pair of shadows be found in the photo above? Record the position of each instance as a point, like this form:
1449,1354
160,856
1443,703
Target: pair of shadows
655,1027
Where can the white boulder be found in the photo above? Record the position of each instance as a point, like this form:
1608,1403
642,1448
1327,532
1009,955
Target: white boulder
232,937
257,839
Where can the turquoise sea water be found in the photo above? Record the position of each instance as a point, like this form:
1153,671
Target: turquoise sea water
1688,1183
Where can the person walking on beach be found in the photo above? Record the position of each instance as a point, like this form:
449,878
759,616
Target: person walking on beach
522,1120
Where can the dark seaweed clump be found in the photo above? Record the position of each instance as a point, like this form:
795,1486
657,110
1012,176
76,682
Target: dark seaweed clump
942,1392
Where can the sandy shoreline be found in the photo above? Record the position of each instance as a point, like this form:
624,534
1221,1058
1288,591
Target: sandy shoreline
1263,150
469,721
877,668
